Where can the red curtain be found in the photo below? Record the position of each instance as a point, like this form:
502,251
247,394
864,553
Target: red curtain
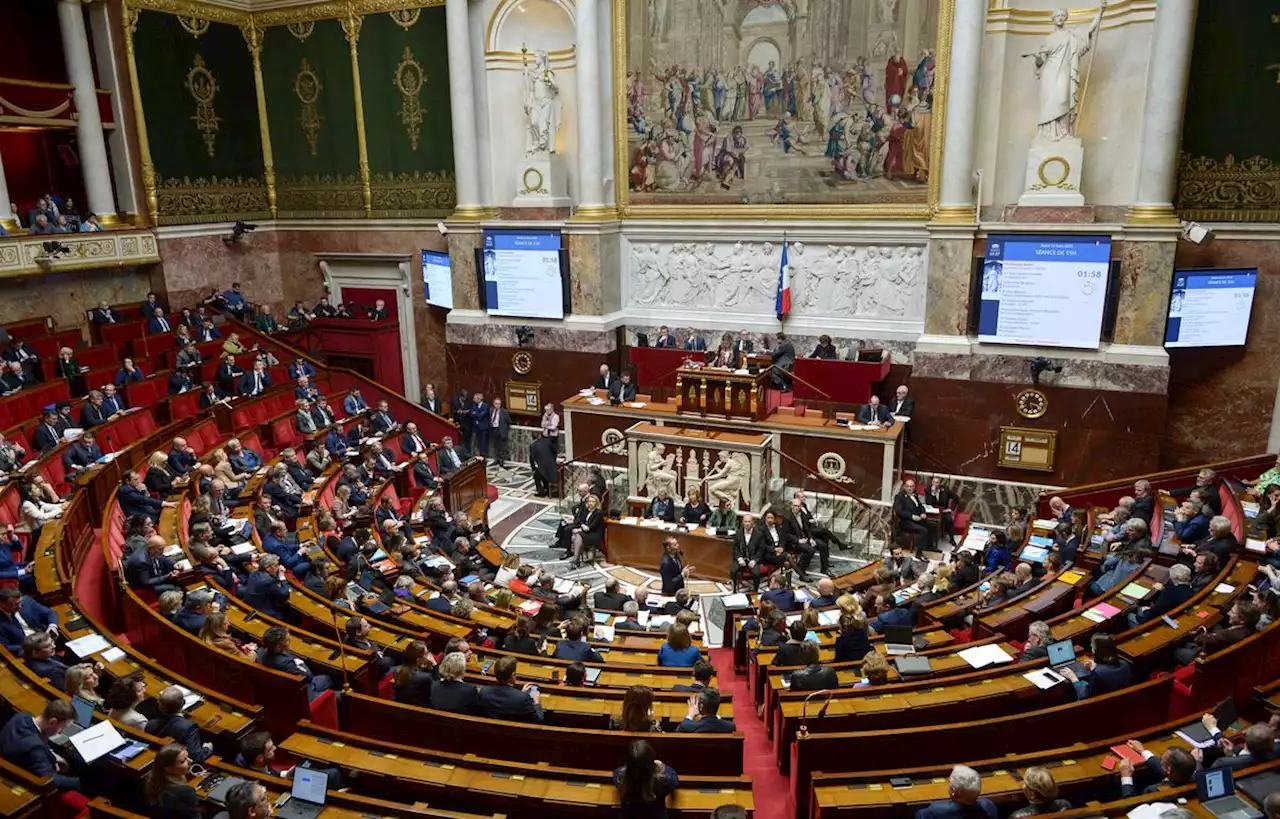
40,162
31,42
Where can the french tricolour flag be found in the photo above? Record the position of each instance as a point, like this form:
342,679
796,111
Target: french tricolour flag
783,302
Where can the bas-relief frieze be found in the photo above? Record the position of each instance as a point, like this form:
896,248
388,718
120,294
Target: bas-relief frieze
827,280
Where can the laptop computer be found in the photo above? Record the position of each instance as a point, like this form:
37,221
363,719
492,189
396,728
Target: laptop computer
218,793
1217,795
84,711
1259,786
1062,655
306,799
909,665
897,640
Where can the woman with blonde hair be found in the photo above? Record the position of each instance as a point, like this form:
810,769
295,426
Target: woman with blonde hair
232,345
82,682
223,470
335,590
159,479
502,599
169,604
695,512
463,609
588,535
678,651
849,604
216,633
341,506
942,578
1041,791
875,669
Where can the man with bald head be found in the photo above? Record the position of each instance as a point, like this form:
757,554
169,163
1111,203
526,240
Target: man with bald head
150,569
826,594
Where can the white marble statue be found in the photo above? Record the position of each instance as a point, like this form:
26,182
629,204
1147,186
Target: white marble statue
541,104
726,479
888,10
1058,73
660,475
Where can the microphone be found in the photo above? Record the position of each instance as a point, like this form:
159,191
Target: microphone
342,652
803,731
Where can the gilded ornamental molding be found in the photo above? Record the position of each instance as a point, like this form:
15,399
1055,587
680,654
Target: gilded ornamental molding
25,255
1228,190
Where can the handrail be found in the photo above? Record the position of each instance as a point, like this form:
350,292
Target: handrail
871,517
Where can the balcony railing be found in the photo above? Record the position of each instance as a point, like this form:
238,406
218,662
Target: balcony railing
27,254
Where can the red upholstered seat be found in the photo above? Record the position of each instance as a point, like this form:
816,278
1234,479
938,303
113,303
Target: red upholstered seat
386,687
324,710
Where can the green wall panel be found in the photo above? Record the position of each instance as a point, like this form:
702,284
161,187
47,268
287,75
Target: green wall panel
409,136
306,72
1230,167
207,173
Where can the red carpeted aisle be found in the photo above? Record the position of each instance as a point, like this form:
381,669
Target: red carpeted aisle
771,789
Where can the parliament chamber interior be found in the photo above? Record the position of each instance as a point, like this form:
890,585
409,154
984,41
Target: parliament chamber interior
790,409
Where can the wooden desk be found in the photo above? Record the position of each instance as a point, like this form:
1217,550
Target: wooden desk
641,546
714,391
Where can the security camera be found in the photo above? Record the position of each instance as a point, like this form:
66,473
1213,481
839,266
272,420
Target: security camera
524,335
443,228
1196,233
55,249
1039,365
238,231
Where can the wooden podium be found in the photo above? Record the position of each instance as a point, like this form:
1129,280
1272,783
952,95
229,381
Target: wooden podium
731,394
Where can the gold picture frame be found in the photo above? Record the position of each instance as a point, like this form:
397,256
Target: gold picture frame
864,211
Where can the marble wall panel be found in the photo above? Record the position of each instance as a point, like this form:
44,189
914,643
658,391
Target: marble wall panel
191,265
561,371
1101,434
1221,399
1145,277
947,296
462,261
68,296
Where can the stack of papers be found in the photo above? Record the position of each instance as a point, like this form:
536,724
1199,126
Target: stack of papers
1101,612
1224,588
1044,678
1255,545
172,550
1040,540
88,645
976,538
661,621
97,741
629,520
829,617
1044,523
983,656
1135,591
243,548
603,632
112,654
736,601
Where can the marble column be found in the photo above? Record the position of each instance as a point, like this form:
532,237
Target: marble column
93,144
7,220
107,37
1142,306
1162,113
957,204
591,202
462,110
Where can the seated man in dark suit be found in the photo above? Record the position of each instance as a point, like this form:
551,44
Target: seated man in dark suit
902,404
610,599
194,610
275,654
83,453
624,390
38,652
1221,543
150,569
19,613
891,614
158,323
702,715
748,551
24,742
826,594
1039,636
1171,595
1174,767
779,595
257,381
381,419
966,802
874,412
135,500
46,436
103,314
412,442
504,700
182,458
266,588
448,459
423,475
574,647
175,725
703,673
1242,621
630,618
92,412
179,382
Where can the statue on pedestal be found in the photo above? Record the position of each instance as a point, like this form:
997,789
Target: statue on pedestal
660,474
1058,74
541,104
725,480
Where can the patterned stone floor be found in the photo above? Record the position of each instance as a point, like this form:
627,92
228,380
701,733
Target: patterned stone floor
525,525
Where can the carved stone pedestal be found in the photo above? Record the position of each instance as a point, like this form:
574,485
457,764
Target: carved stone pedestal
541,183
1053,173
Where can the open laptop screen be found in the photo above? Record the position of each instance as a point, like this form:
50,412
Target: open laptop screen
310,785
897,635
1061,652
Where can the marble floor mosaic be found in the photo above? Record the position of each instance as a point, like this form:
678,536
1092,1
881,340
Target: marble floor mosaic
526,525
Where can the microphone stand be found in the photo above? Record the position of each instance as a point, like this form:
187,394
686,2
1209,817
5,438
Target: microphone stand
342,652
803,731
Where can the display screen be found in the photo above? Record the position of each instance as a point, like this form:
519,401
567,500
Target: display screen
1210,308
1044,291
522,274
437,278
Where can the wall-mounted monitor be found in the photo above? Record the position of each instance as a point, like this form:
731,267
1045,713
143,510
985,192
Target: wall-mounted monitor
523,274
437,278
1044,291
1210,308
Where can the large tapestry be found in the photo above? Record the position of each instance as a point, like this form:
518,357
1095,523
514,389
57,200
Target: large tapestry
781,102
1230,169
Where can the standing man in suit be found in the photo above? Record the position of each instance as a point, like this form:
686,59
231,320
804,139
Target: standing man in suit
784,361
504,700
432,401
902,404
542,460
748,551
672,568
500,427
607,380
741,348
666,341
481,423
874,412
460,407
